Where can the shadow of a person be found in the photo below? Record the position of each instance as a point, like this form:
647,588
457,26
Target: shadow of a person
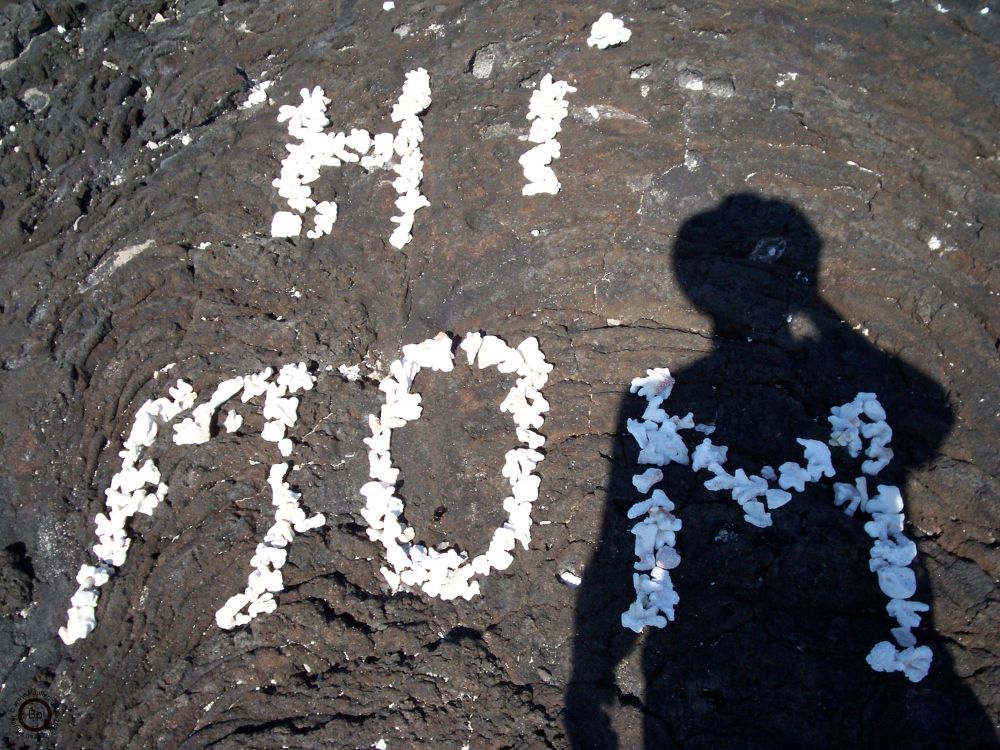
773,625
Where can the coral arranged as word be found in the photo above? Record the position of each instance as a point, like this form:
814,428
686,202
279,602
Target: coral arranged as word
401,151
608,31
659,437
449,574
316,149
547,109
128,495
859,426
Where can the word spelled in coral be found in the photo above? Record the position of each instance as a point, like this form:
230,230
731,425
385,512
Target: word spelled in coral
316,149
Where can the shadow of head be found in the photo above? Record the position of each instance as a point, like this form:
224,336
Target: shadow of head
748,263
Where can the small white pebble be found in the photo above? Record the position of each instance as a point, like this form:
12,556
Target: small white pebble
286,224
570,579
233,421
608,31
352,373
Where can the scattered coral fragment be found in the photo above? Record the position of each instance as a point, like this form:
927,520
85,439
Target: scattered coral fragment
608,31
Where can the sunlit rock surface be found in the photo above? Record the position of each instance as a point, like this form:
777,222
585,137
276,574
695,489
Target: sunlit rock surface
136,207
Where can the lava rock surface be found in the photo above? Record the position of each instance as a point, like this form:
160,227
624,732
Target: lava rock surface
135,204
